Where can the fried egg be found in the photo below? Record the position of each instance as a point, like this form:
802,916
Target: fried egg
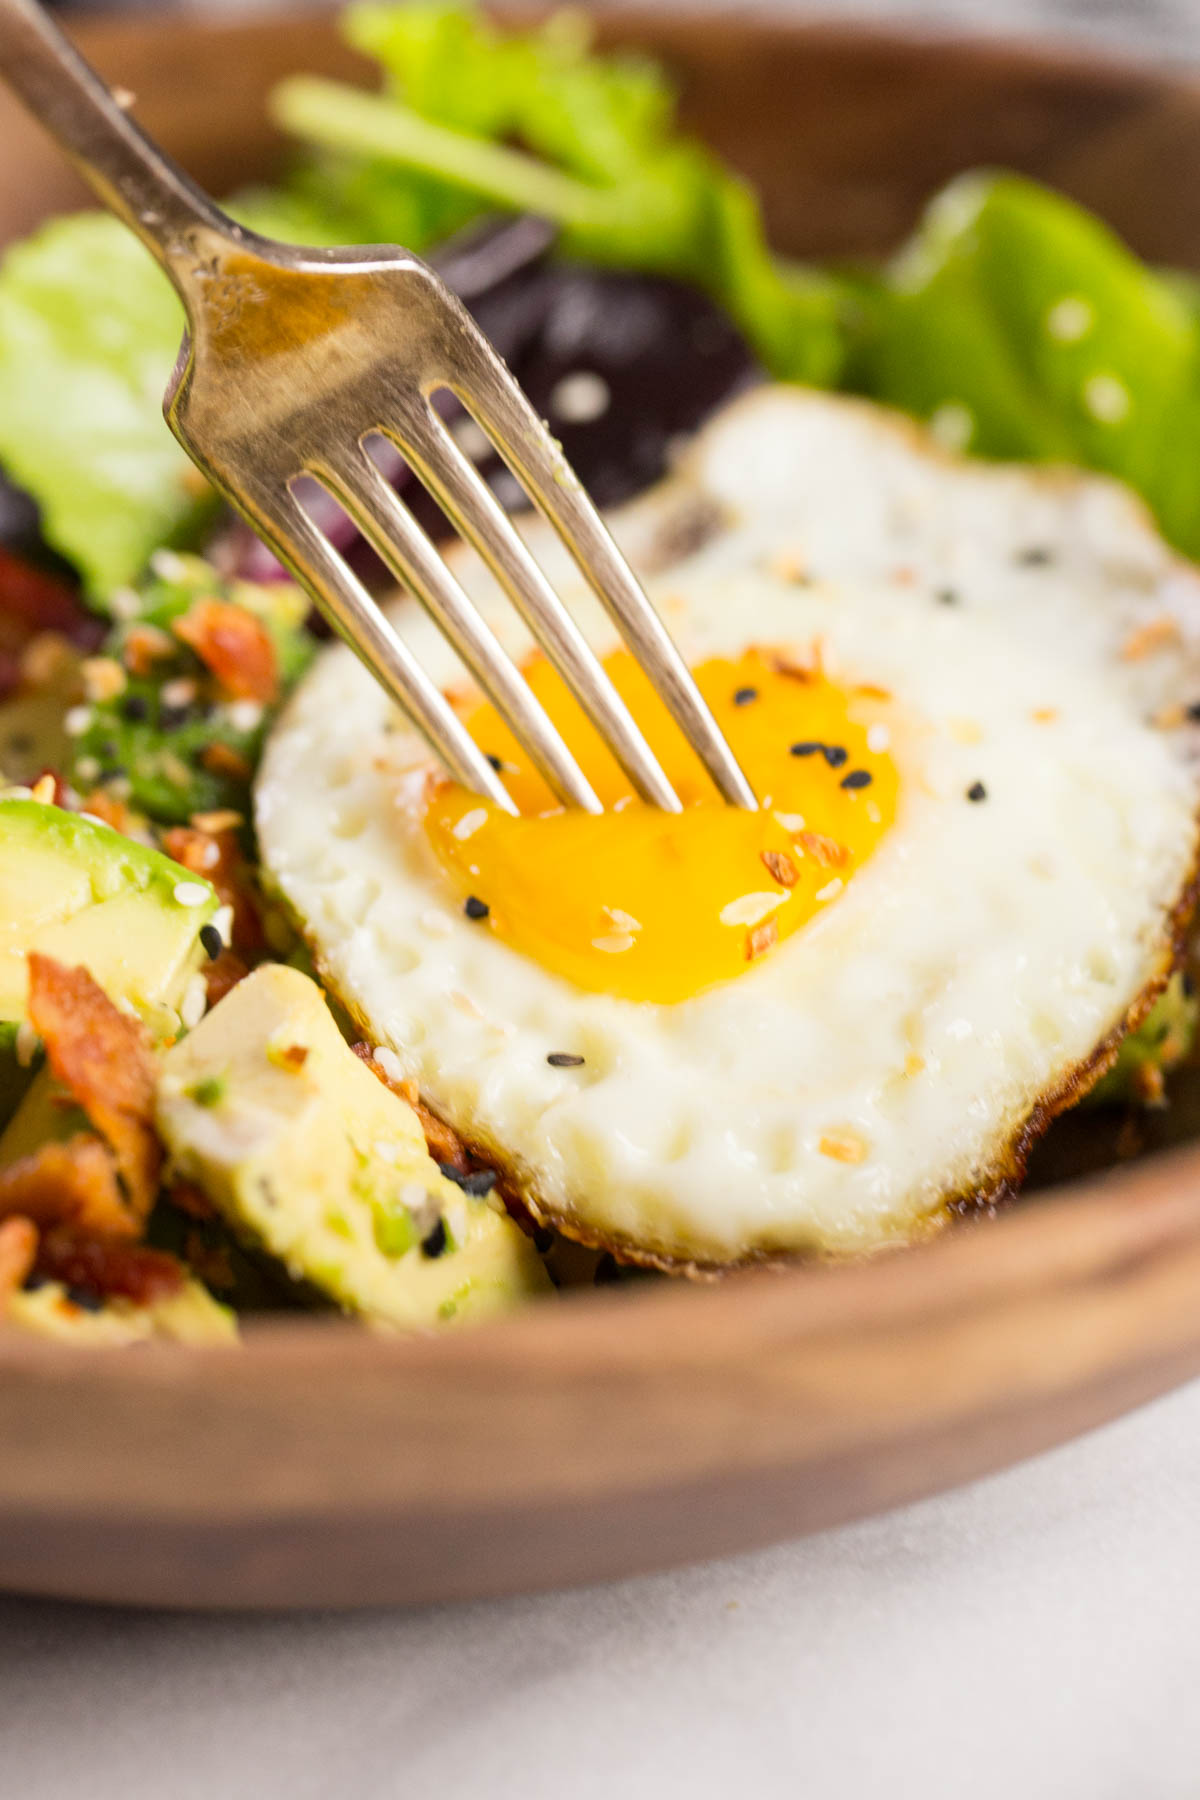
962,693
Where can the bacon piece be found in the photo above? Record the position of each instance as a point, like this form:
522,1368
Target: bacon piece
223,759
104,1058
780,867
234,646
18,1247
761,939
824,850
218,857
441,1141
111,1270
222,975
71,1184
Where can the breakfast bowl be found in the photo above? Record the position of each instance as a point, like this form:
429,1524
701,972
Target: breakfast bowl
624,1426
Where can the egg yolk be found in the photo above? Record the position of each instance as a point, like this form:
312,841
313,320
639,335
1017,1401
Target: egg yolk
658,906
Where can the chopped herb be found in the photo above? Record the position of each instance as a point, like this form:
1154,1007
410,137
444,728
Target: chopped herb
947,596
210,1091
476,908
977,791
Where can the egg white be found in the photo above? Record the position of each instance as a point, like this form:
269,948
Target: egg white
1037,637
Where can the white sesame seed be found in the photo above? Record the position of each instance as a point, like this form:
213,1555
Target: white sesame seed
223,922
167,566
94,819
87,768
180,692
1107,399
192,893
76,720
1070,319
831,888
195,1001
622,921
244,715
790,821
469,824
124,603
579,398
751,909
878,737
613,943
952,425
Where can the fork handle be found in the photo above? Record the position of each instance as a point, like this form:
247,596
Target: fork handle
128,172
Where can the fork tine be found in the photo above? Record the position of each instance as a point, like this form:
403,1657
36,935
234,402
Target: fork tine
394,534
298,543
475,512
499,407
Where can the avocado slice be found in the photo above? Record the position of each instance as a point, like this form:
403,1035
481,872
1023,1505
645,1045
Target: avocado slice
191,1316
311,1157
79,891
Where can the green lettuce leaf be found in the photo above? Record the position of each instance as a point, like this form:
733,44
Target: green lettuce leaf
1022,327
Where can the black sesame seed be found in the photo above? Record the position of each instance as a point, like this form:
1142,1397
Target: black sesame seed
947,596
496,761
743,696
1193,711
135,708
977,791
563,1059
606,1270
112,771
809,747
85,1299
476,908
212,941
835,755
1037,556
173,718
857,778
476,1182
433,1245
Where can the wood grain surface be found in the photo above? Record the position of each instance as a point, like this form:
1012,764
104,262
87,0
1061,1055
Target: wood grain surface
623,1431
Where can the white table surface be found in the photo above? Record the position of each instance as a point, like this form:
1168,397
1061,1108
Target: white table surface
1033,1637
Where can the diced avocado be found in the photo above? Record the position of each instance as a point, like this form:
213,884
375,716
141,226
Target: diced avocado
79,891
191,1316
1164,1037
305,1152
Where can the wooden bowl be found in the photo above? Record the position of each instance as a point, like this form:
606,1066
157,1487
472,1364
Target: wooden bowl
622,1431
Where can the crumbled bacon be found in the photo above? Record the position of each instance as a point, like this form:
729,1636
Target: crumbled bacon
104,1058
780,867
222,975
143,646
824,850
73,1183
763,938
444,1144
218,857
113,1271
18,1247
234,646
223,759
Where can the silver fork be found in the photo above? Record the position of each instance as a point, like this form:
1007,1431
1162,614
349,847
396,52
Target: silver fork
293,360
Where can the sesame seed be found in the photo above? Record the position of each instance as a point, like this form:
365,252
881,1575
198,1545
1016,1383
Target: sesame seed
1035,556
947,596
434,1244
476,908
495,761
952,425
563,1059
831,889
469,824
245,715
168,566
194,1003
857,778
476,1182
87,768
135,708
76,720
180,693
212,941
1070,319
878,737
744,695
835,755
192,893
808,747
579,398
1107,399
977,791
